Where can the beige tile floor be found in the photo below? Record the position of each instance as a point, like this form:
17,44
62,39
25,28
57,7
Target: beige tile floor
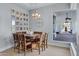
50,51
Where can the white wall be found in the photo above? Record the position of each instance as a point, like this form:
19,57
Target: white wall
77,24
5,25
47,18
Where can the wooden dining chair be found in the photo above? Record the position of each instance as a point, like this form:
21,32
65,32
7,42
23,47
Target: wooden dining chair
39,35
18,32
16,41
40,44
24,44
24,32
42,41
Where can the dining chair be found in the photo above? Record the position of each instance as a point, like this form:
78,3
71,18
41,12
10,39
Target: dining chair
42,41
24,32
40,44
18,32
38,35
24,44
16,41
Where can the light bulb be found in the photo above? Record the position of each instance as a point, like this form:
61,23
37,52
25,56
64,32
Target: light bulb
36,14
39,15
33,15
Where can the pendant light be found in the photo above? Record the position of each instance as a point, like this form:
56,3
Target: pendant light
67,19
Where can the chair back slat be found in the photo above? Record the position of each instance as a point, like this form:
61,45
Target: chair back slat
42,38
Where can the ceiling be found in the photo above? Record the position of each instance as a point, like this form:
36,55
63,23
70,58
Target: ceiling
31,6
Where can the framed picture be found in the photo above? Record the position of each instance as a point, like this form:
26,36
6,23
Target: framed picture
20,28
21,19
17,18
26,28
26,15
17,23
17,28
20,23
26,19
23,14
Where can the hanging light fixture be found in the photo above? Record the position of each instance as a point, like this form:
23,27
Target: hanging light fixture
67,23
35,15
67,19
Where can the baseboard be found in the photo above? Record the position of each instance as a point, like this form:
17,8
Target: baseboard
5,48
